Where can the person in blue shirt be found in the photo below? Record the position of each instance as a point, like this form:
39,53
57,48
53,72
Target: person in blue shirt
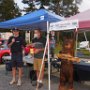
52,46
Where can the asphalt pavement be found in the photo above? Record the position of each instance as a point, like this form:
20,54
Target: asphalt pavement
26,84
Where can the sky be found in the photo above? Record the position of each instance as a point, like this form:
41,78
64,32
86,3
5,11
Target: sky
20,4
84,6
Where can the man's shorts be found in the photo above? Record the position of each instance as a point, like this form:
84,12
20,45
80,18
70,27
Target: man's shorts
37,64
17,60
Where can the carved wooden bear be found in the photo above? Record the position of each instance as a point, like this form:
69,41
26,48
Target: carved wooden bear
66,71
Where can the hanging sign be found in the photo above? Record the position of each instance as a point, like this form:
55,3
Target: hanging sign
64,25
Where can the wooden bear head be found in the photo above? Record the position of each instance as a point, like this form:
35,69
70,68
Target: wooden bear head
68,46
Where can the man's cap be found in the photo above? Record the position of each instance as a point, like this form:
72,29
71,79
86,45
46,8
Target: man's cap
15,29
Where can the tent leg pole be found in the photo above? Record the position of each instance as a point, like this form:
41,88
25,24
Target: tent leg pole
42,63
85,36
49,85
86,39
47,44
76,42
29,36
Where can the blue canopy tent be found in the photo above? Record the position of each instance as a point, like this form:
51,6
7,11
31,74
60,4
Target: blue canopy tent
38,19
31,21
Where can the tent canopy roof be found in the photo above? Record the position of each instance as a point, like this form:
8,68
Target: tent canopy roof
83,18
36,19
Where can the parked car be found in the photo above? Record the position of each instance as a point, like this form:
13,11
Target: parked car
4,51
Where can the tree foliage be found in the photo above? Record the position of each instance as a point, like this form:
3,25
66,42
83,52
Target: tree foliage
8,10
64,8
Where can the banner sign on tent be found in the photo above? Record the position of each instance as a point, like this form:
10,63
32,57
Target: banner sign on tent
64,25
